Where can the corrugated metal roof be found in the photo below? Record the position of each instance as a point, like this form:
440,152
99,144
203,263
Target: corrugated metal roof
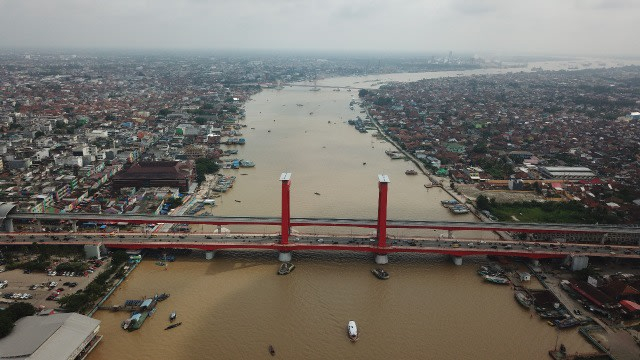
50,337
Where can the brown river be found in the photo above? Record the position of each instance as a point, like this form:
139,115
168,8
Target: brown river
235,306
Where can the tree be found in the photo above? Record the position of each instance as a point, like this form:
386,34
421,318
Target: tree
164,112
200,120
482,203
363,92
38,134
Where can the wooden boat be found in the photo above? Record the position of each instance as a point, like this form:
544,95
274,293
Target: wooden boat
272,351
380,273
172,326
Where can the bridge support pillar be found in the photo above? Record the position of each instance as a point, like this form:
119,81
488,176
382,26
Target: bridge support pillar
535,262
38,226
382,259
285,228
208,255
74,226
91,251
383,185
284,256
449,234
457,260
576,263
8,225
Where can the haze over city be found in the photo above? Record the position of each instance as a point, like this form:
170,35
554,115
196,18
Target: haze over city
545,27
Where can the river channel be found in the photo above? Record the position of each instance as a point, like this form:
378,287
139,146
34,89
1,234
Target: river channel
234,306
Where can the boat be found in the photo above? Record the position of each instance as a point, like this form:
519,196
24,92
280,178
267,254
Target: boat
285,268
552,314
523,299
272,351
163,296
237,201
496,279
317,193
550,323
567,323
135,321
352,331
411,172
459,209
172,326
380,273
448,203
172,316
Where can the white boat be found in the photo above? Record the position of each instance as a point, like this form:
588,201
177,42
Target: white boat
172,316
352,330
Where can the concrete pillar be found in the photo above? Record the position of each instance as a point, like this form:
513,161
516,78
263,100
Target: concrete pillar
577,263
38,225
74,226
535,262
382,259
450,234
285,228
8,225
383,185
91,251
219,229
209,255
284,256
457,260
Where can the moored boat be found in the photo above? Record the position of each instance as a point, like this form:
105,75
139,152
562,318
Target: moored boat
352,331
496,279
523,299
567,323
172,316
285,268
380,273
411,172
272,351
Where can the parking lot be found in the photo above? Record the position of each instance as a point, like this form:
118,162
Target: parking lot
39,286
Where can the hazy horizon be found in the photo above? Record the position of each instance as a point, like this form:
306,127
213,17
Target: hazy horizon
411,27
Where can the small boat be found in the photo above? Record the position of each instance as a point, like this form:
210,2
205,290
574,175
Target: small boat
411,172
272,351
496,279
317,193
380,273
172,316
285,268
567,323
172,326
364,163
238,201
550,323
352,331
523,299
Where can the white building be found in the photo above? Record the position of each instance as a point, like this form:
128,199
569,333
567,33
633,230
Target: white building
53,337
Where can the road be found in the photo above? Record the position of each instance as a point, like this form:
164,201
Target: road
456,247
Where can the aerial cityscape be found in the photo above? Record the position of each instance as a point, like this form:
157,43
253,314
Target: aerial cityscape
294,181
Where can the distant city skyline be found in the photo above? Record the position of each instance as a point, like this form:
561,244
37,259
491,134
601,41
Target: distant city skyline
498,27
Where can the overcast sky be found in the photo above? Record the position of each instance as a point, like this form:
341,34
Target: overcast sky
510,27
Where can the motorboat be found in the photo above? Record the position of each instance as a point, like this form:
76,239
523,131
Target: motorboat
380,273
285,268
496,279
352,331
172,316
272,351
